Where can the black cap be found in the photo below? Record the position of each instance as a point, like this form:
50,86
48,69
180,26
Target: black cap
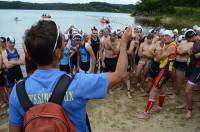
150,36
189,34
2,39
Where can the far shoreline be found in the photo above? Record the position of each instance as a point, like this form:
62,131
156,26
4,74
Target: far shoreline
71,10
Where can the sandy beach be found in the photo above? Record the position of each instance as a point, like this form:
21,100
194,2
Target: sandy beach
117,113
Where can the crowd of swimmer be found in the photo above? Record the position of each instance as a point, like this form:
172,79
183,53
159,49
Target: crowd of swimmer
153,58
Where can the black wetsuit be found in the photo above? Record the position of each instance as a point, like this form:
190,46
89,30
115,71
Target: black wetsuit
193,70
95,46
129,58
14,74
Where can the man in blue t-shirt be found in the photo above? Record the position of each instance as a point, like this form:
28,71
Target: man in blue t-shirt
46,49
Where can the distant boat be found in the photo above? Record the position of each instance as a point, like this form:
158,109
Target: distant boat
17,19
104,21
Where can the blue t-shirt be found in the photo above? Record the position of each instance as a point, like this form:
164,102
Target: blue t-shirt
40,85
65,59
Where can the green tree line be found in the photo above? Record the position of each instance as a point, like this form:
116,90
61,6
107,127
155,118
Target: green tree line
92,6
163,6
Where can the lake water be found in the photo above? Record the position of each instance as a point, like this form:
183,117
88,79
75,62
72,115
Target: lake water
81,20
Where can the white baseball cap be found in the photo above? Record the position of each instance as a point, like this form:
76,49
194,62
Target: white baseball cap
175,31
139,28
161,31
11,39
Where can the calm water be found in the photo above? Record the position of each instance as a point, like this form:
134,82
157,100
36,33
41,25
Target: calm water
81,20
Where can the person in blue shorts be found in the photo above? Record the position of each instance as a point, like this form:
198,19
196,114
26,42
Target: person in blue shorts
12,58
86,59
44,45
64,62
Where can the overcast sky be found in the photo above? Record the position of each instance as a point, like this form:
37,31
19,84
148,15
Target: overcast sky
79,1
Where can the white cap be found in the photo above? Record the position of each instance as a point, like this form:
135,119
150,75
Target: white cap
139,28
184,29
169,33
175,31
66,36
161,31
74,31
198,29
11,39
195,27
150,30
181,37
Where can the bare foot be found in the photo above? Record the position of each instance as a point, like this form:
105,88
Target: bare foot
173,96
110,92
141,90
169,93
158,109
138,85
3,105
183,106
144,94
129,95
143,116
188,114
132,90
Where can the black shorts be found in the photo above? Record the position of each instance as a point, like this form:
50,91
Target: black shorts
73,61
194,75
110,64
65,68
14,74
137,59
129,64
153,69
2,79
85,66
181,66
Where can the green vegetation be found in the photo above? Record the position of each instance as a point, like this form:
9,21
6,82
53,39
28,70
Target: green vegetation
170,13
93,6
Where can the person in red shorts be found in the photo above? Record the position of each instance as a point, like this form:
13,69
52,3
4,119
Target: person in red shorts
167,58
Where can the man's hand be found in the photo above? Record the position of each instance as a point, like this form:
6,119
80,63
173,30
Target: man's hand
103,64
127,35
78,68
